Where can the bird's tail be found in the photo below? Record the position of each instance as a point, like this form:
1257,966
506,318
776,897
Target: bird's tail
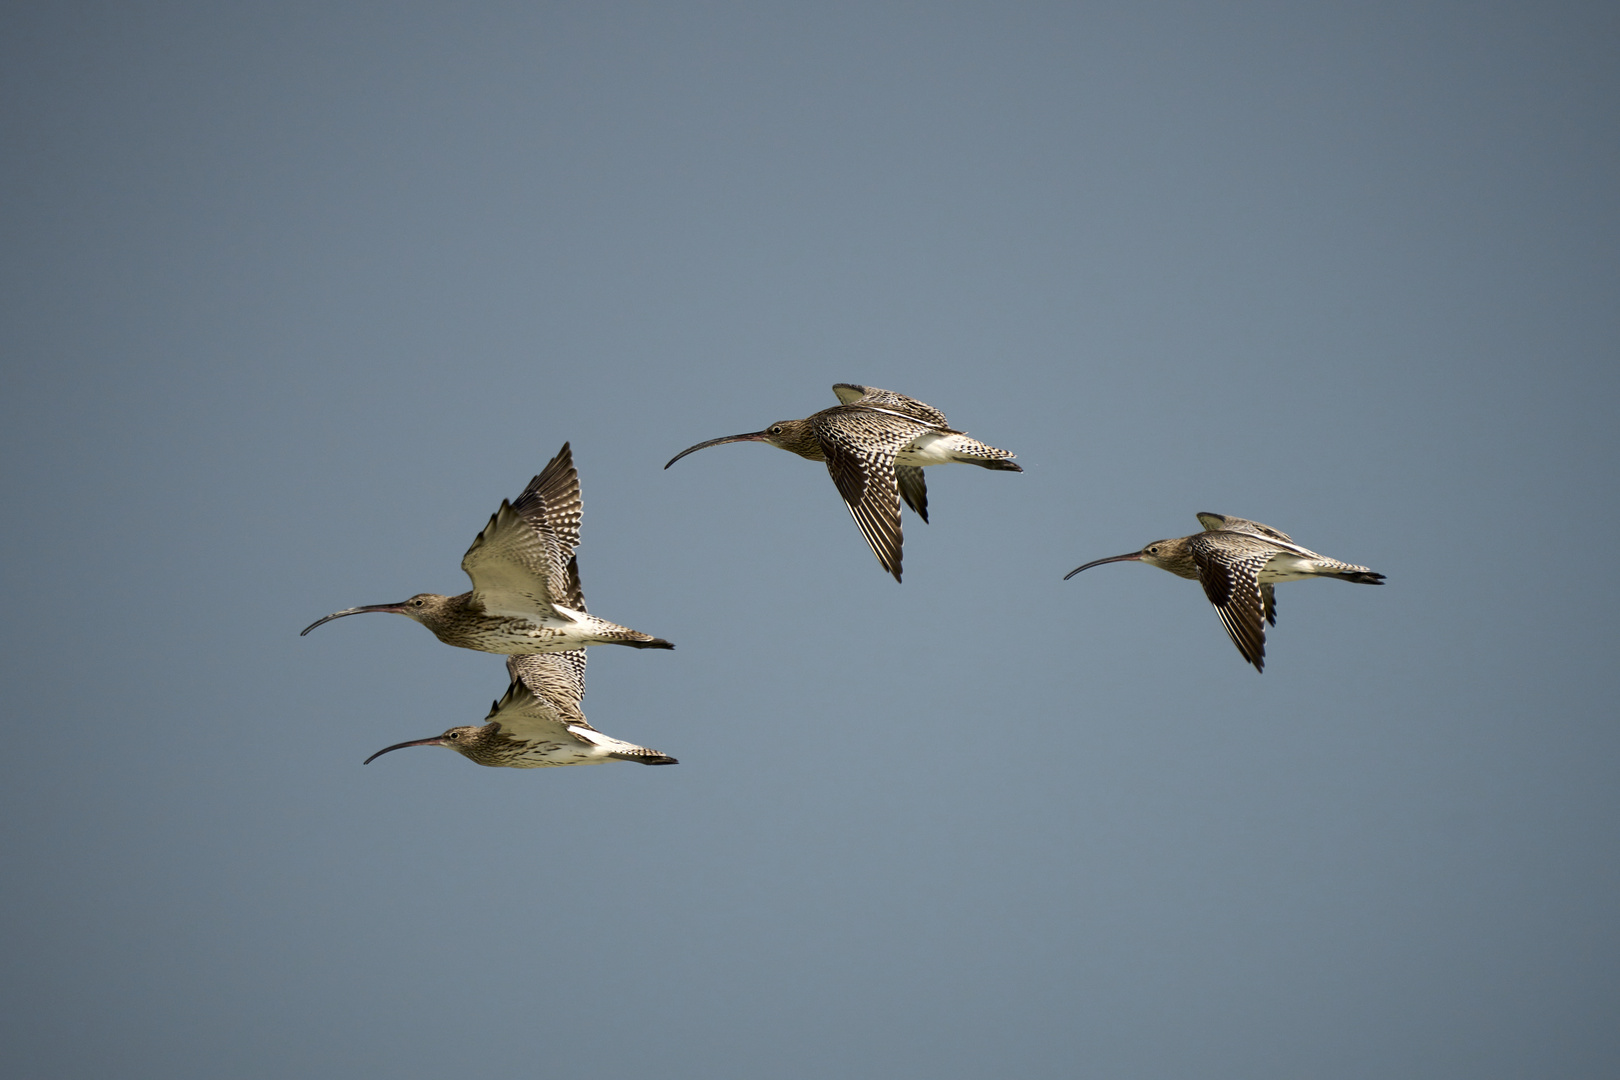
644,756
618,749
642,641
608,633
973,452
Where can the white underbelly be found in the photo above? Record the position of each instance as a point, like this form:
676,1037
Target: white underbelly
929,448
1288,567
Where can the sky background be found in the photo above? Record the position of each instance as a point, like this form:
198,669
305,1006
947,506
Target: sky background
295,293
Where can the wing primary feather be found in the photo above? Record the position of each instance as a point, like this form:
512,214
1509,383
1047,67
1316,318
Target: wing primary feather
913,488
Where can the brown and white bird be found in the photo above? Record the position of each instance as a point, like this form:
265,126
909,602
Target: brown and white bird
1238,562
538,723
876,444
525,596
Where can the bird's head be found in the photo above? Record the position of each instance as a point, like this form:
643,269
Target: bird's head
794,436
475,743
1172,555
425,608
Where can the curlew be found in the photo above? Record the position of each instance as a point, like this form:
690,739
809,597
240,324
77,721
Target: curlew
876,444
1238,562
538,723
525,596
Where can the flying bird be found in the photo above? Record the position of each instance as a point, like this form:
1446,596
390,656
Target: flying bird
875,444
538,723
525,596
1238,562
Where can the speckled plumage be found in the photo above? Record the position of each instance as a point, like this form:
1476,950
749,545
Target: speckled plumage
538,724
1238,562
875,444
525,596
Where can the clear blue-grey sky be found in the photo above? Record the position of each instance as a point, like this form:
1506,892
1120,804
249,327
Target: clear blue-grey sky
296,293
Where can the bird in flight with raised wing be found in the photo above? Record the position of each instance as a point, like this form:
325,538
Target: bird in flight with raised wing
525,596
1238,562
876,444
538,723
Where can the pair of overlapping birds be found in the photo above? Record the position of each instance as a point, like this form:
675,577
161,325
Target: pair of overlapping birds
526,602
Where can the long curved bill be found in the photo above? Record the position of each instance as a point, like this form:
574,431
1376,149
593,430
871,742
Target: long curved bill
437,740
1132,557
397,609
752,436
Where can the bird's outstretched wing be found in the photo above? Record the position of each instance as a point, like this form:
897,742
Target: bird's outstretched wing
523,560
553,499
860,448
558,678
528,717
1220,522
1229,570
872,397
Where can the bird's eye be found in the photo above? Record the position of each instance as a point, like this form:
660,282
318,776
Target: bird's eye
454,735
776,430
1153,550
418,603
